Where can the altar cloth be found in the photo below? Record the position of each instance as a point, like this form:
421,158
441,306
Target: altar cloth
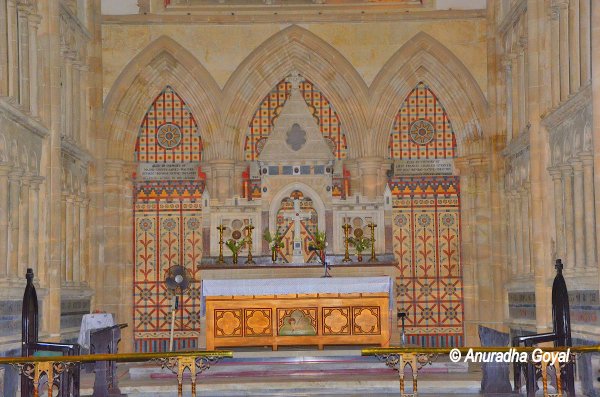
284,286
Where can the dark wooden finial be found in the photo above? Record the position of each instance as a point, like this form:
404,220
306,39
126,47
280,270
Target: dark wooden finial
559,266
29,275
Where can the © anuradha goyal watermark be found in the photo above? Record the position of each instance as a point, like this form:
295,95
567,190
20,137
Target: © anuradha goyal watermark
511,356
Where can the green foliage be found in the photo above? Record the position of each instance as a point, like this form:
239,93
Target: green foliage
275,240
319,240
235,246
360,244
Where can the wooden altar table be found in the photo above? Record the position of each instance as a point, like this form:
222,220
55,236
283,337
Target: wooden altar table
298,311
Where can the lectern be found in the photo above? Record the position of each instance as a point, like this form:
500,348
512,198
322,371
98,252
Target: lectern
105,341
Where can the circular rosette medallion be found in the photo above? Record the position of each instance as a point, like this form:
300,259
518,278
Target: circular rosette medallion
421,132
168,135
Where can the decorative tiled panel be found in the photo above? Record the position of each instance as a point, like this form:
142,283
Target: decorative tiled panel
168,132
286,225
521,305
421,129
585,307
262,123
426,229
167,232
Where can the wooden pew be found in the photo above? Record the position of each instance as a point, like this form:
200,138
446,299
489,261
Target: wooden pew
561,336
68,381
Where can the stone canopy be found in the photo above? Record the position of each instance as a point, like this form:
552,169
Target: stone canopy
296,137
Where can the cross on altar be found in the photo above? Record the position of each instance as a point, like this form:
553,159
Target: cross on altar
297,217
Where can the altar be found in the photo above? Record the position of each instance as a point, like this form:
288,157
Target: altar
297,311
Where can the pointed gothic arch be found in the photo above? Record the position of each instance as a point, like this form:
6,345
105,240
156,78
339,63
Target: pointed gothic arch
423,58
163,62
294,48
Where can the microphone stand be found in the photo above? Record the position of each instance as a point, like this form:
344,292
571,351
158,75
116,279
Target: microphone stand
323,260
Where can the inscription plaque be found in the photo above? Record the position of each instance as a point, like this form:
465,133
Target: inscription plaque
423,167
168,171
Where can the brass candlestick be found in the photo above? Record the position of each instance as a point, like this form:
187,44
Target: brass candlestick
221,260
372,226
249,261
346,228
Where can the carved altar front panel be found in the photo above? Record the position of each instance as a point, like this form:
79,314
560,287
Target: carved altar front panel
298,319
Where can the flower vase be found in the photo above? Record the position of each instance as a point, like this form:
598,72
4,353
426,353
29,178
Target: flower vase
359,257
274,255
235,258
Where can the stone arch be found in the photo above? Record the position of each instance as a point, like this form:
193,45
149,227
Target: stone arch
423,58
286,191
294,48
163,62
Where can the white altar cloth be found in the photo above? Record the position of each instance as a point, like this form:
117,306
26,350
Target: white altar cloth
90,322
281,286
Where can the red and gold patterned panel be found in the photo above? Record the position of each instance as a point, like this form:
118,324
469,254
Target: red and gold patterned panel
168,133
427,245
421,128
262,123
167,233
167,226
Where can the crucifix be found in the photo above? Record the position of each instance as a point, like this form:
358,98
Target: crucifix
297,216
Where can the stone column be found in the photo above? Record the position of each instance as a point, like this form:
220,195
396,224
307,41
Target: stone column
369,171
567,177
68,97
527,266
509,102
69,238
24,225
563,23
574,72
512,240
14,187
515,95
555,55
3,49
590,218
84,239
76,238
24,87
522,82
585,40
558,212
222,172
579,216
34,230
34,21
76,102
63,238
4,214
519,234
13,49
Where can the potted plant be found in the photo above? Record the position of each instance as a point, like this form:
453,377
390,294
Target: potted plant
235,247
275,242
318,244
360,244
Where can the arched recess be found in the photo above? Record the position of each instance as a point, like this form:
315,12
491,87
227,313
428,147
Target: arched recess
163,62
294,48
423,58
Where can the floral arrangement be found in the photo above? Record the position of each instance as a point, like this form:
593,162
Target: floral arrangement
360,244
235,246
275,240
